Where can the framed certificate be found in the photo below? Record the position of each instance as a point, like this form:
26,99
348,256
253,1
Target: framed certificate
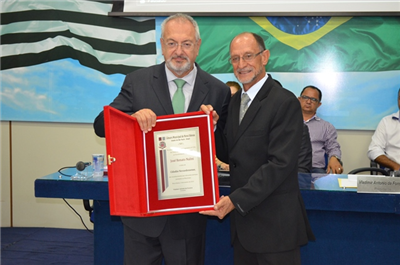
178,163
169,170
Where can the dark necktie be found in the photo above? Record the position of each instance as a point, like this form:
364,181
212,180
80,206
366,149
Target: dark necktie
243,106
178,100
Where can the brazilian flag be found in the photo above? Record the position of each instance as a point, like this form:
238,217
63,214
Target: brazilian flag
307,44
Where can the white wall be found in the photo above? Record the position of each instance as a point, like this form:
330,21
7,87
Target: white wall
39,149
354,146
5,193
265,7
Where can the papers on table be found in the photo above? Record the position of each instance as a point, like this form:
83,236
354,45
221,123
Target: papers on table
350,182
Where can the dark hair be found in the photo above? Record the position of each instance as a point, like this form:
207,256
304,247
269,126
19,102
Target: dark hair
313,87
233,83
259,40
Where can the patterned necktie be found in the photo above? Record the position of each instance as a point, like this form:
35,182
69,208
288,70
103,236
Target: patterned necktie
178,100
243,106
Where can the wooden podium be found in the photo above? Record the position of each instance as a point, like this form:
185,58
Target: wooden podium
169,170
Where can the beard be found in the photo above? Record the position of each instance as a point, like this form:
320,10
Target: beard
250,79
179,68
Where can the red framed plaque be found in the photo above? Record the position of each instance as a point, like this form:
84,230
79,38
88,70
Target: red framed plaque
170,170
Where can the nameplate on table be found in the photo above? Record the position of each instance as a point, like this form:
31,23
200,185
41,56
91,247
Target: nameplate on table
374,184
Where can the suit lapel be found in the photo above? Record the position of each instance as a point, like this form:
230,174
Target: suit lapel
247,119
234,113
251,111
161,90
200,91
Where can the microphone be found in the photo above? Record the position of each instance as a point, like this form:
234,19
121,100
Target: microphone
80,166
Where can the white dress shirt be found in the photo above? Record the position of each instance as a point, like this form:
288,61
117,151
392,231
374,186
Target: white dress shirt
252,92
386,139
187,87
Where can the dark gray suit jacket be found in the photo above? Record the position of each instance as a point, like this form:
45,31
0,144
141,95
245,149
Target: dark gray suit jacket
305,155
263,152
148,88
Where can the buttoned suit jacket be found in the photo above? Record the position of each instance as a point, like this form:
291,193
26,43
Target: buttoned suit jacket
263,152
148,88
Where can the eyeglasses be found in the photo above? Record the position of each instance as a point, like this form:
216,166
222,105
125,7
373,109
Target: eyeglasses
314,100
248,57
172,45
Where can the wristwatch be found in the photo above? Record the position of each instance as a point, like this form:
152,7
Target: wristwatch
396,173
338,158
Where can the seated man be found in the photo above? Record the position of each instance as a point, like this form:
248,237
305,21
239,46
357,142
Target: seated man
234,86
323,135
385,145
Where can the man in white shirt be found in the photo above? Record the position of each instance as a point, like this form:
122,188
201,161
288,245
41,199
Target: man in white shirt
385,145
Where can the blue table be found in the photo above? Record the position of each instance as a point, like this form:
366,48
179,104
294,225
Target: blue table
350,228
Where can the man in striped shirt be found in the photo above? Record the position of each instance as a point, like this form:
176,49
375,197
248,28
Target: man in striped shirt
325,147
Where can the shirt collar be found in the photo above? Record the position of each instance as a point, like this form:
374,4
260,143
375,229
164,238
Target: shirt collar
252,92
315,117
189,78
396,116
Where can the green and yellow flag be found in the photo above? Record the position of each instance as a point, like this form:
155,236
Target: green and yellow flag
307,44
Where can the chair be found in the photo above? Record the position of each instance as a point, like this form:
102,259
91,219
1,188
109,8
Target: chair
371,169
89,208
374,165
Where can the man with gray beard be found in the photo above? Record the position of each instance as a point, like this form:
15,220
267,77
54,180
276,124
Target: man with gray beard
148,93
